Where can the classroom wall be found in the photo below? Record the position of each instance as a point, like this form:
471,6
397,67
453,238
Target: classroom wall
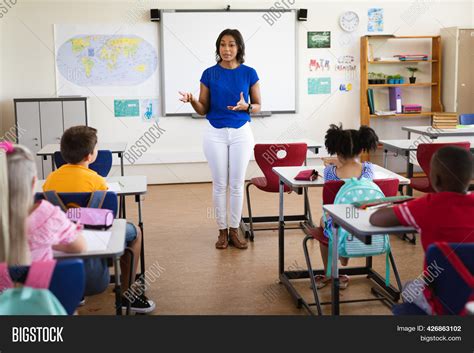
28,70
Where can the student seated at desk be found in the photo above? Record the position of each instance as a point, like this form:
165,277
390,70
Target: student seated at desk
46,226
347,145
447,214
79,149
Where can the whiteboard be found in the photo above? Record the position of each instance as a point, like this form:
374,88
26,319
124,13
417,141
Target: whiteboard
188,48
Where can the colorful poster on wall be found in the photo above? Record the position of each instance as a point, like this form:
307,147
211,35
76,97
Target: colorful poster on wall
126,108
319,85
149,109
375,20
319,39
345,87
111,60
319,64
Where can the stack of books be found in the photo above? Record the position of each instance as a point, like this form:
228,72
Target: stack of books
412,57
445,120
411,108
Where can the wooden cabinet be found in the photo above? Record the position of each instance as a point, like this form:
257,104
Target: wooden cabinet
42,121
458,70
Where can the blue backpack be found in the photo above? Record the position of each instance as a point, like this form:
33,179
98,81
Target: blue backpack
349,246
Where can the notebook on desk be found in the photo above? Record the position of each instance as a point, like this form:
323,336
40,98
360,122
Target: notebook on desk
114,186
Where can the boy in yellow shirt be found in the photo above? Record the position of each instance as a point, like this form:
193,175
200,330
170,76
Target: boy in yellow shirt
79,150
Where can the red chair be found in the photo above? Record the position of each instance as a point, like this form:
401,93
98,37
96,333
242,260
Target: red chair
330,189
424,153
267,157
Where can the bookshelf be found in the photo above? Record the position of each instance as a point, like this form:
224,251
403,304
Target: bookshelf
434,62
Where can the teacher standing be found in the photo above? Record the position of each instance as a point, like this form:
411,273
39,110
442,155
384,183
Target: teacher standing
228,140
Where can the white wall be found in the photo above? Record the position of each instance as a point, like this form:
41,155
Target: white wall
27,70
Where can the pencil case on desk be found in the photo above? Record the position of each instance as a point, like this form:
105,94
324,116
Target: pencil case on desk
307,175
91,218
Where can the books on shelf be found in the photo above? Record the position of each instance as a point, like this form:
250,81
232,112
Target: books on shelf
411,108
403,57
370,99
445,120
388,58
412,57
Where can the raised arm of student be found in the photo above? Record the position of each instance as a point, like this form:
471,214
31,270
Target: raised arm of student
201,105
255,100
384,217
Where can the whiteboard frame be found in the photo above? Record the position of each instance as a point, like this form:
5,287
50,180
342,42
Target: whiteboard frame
161,56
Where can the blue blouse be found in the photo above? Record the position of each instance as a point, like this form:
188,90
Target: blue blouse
224,87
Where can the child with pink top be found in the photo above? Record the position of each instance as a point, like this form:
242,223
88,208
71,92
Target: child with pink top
30,231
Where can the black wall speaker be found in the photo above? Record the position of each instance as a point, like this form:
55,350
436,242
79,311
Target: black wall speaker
155,15
302,14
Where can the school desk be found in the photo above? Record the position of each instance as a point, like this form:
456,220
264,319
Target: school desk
115,249
404,147
360,227
433,132
286,176
115,147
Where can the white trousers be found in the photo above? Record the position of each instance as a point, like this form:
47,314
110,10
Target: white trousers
228,152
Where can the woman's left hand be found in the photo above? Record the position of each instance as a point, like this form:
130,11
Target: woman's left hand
241,104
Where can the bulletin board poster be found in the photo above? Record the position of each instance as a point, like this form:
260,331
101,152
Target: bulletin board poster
319,39
149,109
319,85
126,108
375,20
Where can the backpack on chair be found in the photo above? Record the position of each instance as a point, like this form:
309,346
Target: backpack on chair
34,297
349,246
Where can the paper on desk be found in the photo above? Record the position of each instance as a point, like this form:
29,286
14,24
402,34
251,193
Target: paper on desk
114,186
96,240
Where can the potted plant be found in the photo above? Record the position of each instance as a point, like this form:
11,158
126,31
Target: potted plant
412,69
372,78
398,79
391,79
380,78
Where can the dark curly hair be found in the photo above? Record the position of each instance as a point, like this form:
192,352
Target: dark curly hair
350,143
239,41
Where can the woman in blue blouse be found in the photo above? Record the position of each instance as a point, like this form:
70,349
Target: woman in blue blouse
228,140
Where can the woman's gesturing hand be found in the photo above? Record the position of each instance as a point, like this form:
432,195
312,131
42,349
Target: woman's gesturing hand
241,104
186,97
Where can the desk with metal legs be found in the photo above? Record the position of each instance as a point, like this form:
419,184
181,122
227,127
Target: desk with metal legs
361,228
286,176
114,250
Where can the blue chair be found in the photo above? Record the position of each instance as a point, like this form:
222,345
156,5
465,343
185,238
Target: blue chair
67,283
81,199
102,164
466,119
448,286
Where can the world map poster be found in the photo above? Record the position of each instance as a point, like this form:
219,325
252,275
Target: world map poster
106,60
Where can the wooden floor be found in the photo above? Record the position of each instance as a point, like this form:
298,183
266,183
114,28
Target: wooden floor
197,279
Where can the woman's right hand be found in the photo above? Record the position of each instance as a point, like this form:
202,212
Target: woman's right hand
186,97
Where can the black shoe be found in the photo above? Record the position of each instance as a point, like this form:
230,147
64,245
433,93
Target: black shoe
139,304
